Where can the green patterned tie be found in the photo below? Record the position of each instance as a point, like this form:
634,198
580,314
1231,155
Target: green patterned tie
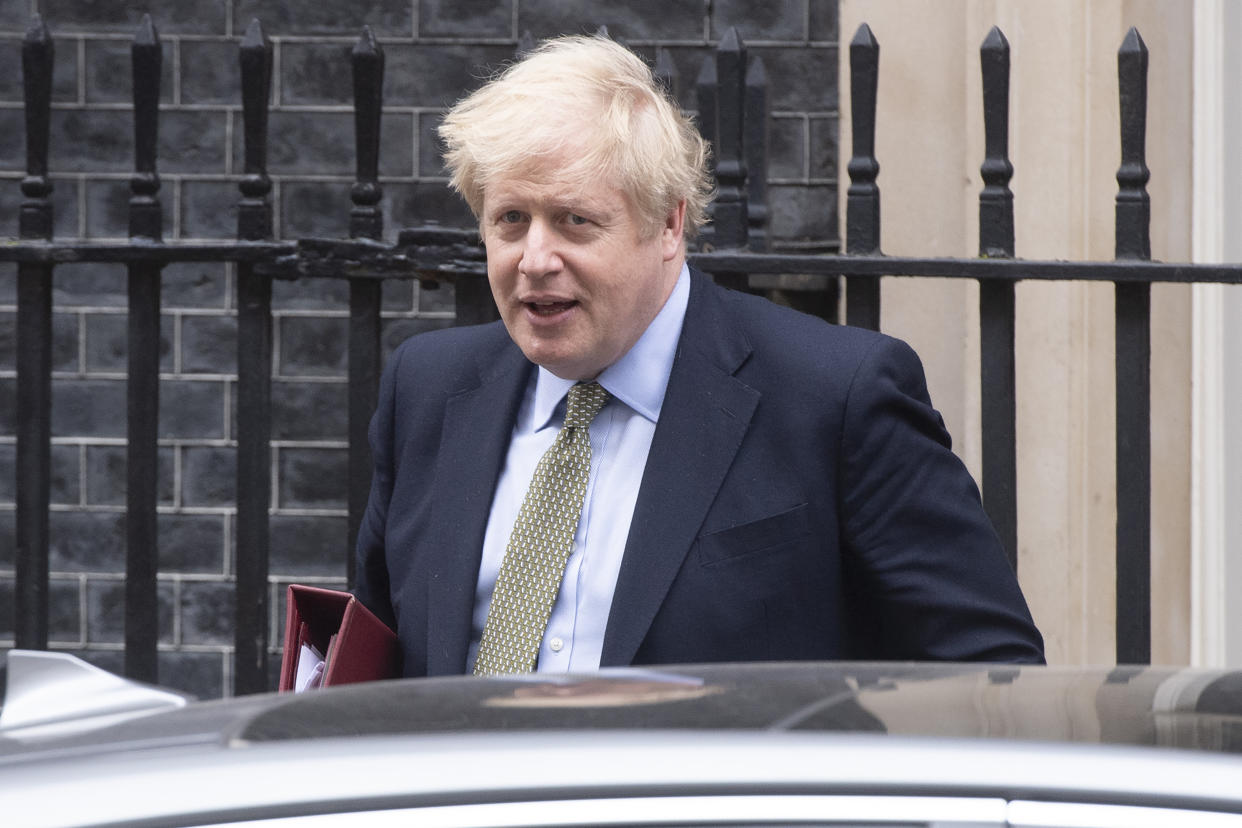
539,546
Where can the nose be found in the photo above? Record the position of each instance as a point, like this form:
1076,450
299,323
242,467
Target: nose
539,250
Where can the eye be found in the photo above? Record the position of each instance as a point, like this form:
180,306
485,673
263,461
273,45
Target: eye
510,217
576,219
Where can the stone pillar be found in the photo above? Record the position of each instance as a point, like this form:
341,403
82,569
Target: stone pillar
1064,143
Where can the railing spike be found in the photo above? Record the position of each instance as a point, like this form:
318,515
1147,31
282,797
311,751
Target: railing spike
756,73
996,301
366,220
756,147
862,205
254,372
366,217
1133,41
34,355
863,38
1132,349
147,34
995,40
255,57
1133,235
665,71
525,44
147,58
996,233
254,37
730,219
142,383
366,42
37,31
706,95
38,58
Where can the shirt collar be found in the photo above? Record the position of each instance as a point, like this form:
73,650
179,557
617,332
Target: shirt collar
640,377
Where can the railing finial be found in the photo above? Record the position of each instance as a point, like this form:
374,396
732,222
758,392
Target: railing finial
756,147
665,71
729,218
366,219
254,218
996,235
37,62
862,204
145,217
1133,230
525,45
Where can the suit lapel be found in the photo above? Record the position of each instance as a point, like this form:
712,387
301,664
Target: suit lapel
478,423
705,415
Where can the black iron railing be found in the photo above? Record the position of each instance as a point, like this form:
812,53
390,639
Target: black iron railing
732,107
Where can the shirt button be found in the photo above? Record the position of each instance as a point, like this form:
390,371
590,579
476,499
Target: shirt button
557,645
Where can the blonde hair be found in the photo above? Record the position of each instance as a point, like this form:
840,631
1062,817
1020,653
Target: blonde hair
589,99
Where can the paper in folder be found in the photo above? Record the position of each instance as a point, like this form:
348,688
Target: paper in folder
331,638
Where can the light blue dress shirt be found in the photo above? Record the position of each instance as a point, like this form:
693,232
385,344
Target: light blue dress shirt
620,440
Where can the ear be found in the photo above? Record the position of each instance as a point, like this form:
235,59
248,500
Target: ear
672,241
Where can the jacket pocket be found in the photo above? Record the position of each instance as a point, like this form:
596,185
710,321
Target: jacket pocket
763,535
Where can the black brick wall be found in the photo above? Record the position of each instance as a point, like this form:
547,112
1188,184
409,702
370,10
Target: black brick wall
435,50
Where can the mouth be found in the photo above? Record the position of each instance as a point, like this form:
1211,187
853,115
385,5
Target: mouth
548,307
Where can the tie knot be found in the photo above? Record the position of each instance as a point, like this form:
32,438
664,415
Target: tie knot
584,402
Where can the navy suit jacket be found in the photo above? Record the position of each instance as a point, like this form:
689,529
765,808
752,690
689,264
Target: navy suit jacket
800,501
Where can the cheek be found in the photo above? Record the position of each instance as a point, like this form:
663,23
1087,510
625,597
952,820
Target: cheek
501,265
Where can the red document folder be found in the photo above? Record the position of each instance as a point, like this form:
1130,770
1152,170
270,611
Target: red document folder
356,645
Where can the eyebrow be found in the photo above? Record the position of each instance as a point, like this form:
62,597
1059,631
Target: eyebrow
567,202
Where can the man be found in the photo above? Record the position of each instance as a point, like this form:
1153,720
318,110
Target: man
734,481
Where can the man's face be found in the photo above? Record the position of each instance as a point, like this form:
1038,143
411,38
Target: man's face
575,271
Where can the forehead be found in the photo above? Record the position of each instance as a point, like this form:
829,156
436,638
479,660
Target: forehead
549,182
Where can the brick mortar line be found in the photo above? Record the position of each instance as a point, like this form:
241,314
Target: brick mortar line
166,576
78,177
119,310
297,313
178,478
176,615
191,511
812,114
228,407
83,311
181,442
176,72
176,338
166,106
114,376
175,442
801,182
83,481
464,41
60,644
83,609
119,647
81,73
312,108
230,126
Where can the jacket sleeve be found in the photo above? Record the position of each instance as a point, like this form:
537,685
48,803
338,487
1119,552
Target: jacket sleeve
936,582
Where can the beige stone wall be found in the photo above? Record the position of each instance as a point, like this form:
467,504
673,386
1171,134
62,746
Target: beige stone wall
1065,148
